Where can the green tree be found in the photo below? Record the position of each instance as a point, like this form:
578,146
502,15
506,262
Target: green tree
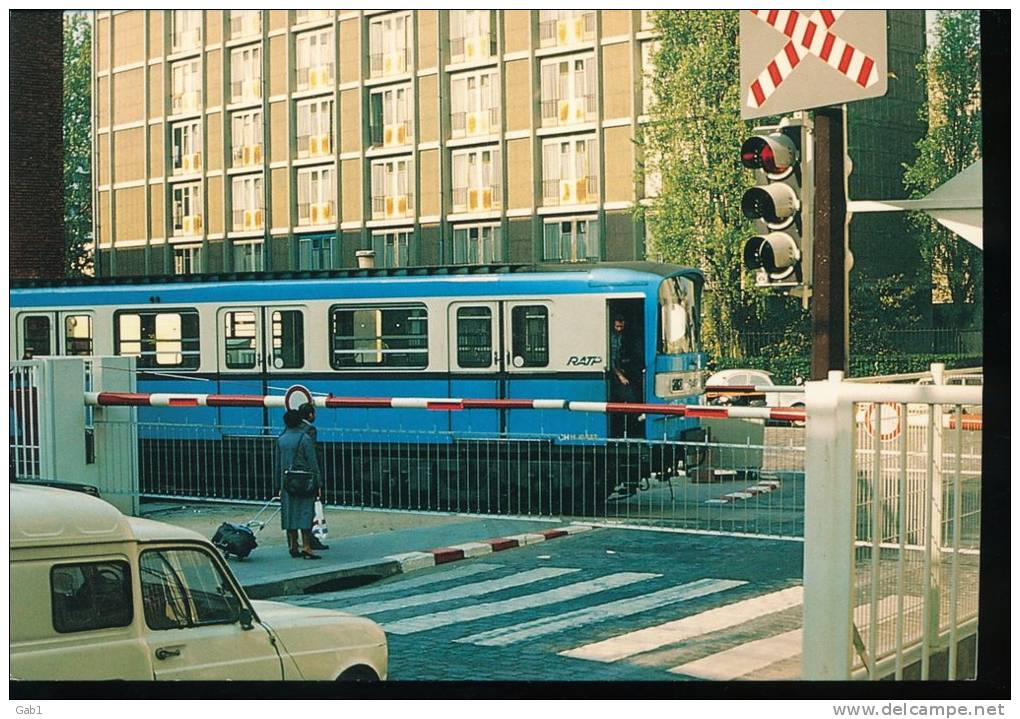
77,143
692,143
952,69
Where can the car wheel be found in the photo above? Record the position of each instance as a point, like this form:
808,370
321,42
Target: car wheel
360,673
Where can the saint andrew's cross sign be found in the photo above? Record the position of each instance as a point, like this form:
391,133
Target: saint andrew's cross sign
795,60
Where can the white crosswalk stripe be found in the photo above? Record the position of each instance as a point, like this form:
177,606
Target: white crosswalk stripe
425,622
744,659
713,620
599,613
460,572
462,592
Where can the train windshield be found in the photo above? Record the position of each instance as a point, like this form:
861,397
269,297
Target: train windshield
679,316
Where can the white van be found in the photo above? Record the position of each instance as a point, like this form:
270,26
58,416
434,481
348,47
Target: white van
98,595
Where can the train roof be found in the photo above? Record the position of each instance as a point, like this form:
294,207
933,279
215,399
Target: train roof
316,284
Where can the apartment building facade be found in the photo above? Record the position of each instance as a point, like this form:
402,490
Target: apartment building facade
291,139
258,140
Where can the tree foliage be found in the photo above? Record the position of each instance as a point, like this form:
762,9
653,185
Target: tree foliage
77,143
692,143
952,69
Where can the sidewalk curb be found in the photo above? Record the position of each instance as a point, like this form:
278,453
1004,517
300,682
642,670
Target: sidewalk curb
299,582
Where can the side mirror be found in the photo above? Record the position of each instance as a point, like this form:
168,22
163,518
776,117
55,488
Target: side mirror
246,618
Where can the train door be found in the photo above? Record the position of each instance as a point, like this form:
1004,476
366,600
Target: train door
476,361
284,342
240,369
625,333
526,358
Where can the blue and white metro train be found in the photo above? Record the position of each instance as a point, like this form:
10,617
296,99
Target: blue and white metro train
501,332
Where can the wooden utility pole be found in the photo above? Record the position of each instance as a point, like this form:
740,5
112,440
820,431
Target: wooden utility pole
829,292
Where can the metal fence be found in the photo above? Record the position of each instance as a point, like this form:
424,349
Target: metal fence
934,340
728,488
23,418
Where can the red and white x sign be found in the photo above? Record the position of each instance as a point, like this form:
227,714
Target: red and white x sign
808,36
775,43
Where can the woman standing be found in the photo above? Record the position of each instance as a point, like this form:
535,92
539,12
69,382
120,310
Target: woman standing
296,450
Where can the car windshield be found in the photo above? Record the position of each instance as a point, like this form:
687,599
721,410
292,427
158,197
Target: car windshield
678,316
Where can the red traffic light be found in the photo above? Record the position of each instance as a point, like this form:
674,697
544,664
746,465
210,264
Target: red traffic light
775,153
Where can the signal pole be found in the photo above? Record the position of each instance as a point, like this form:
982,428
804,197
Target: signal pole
829,315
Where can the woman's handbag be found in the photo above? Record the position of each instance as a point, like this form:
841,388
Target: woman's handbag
300,482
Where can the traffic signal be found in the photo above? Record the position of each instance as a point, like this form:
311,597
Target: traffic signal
780,205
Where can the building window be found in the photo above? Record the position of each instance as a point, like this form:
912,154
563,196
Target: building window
390,116
568,90
248,202
389,45
477,175
474,104
246,138
648,50
315,60
78,335
570,171
288,329
248,256
186,96
187,259
245,23
315,252
565,27
395,249
477,244
379,337
89,596
246,74
530,335
303,16
392,189
472,35
187,147
316,196
187,30
159,339
314,128
187,209
572,239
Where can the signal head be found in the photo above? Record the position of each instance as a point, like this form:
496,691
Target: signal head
775,203
774,153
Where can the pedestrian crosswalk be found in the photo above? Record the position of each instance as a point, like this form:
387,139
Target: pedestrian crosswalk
717,627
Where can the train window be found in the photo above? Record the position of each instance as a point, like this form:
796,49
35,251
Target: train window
677,316
530,325
288,339
78,335
379,337
159,339
35,330
239,339
474,336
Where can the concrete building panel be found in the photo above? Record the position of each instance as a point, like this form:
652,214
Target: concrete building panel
281,197
350,50
428,39
214,205
102,43
277,65
156,212
350,179
103,217
279,139
127,93
214,141
516,30
128,162
278,19
617,81
350,120
213,27
520,175
619,236
619,159
616,22
157,98
428,109
431,183
129,47
214,77
130,210
103,101
156,49
519,95
103,160
156,168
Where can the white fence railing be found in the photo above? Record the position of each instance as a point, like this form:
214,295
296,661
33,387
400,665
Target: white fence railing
892,529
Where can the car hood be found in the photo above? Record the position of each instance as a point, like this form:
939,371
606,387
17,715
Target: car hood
273,613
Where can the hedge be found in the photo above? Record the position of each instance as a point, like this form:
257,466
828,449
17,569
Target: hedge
785,369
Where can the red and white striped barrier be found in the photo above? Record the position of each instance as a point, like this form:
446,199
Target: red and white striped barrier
139,399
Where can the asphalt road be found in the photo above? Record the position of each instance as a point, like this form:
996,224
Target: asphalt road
606,605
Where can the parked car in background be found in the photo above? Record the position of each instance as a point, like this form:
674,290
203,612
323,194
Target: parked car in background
740,397
96,595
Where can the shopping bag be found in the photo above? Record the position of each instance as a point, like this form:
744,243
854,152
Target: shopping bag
319,529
